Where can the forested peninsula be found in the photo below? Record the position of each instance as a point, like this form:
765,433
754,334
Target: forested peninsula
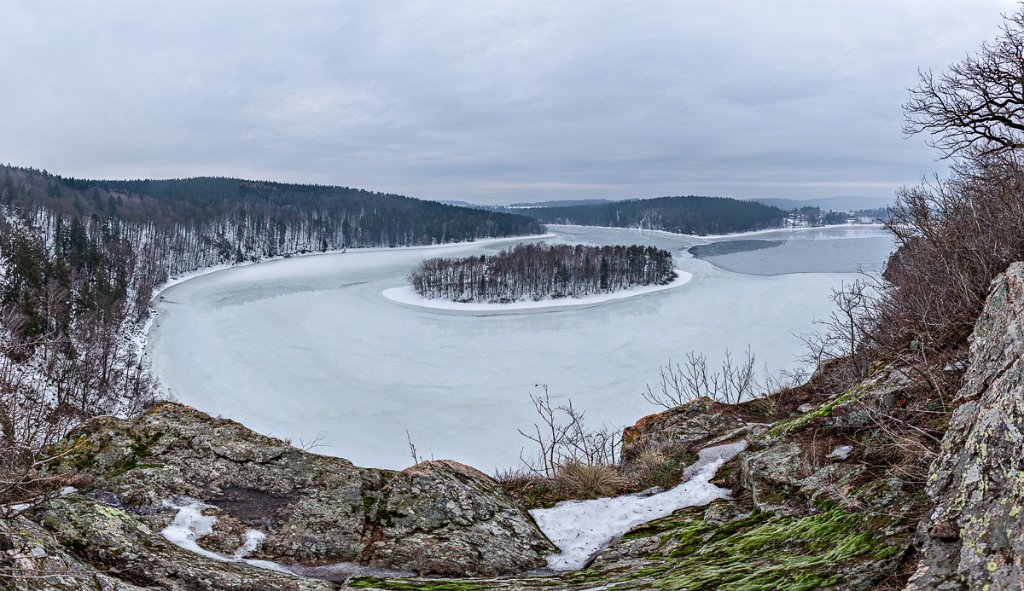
531,272
684,215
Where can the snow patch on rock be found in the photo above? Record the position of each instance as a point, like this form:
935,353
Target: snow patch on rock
190,524
581,529
840,453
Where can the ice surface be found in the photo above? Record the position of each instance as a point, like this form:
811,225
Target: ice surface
582,528
308,347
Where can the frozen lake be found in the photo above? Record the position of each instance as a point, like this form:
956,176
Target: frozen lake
308,347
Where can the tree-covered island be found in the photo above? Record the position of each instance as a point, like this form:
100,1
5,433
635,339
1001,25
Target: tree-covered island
538,271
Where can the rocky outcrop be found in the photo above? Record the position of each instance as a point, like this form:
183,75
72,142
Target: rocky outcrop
441,518
823,497
310,509
700,423
32,560
973,537
800,518
77,543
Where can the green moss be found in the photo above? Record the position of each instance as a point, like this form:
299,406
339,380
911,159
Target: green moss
887,552
140,448
761,552
825,410
415,584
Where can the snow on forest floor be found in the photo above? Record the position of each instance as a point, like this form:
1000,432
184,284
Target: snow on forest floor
407,295
581,529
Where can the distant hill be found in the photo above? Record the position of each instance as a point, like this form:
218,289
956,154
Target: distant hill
467,204
560,203
261,218
833,203
686,215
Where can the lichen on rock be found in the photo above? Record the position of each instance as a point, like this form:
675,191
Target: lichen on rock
973,537
312,509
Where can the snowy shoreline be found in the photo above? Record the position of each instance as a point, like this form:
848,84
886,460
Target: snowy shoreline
139,334
406,295
221,267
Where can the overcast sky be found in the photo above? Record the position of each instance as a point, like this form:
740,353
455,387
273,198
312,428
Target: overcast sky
485,100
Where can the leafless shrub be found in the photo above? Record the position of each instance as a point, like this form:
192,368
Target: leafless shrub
314,443
561,437
841,344
681,383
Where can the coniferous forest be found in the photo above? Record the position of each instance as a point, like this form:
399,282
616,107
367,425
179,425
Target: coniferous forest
537,271
684,215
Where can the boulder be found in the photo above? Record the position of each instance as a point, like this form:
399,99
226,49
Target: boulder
76,543
972,537
312,509
773,476
700,423
445,518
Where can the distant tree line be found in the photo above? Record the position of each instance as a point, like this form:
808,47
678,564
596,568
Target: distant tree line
684,215
79,261
536,271
815,216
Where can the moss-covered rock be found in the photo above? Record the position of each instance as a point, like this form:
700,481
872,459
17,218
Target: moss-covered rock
89,545
834,549
436,514
312,509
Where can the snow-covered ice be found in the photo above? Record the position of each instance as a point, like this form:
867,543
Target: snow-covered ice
580,529
309,347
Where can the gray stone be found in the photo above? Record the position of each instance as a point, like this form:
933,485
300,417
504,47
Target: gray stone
440,517
313,509
972,538
80,544
695,425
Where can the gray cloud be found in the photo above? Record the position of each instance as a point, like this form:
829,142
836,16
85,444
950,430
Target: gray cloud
486,101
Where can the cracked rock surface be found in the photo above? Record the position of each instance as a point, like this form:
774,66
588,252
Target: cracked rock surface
313,509
972,539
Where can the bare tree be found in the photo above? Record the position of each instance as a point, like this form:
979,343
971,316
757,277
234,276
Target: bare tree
562,438
681,383
976,105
